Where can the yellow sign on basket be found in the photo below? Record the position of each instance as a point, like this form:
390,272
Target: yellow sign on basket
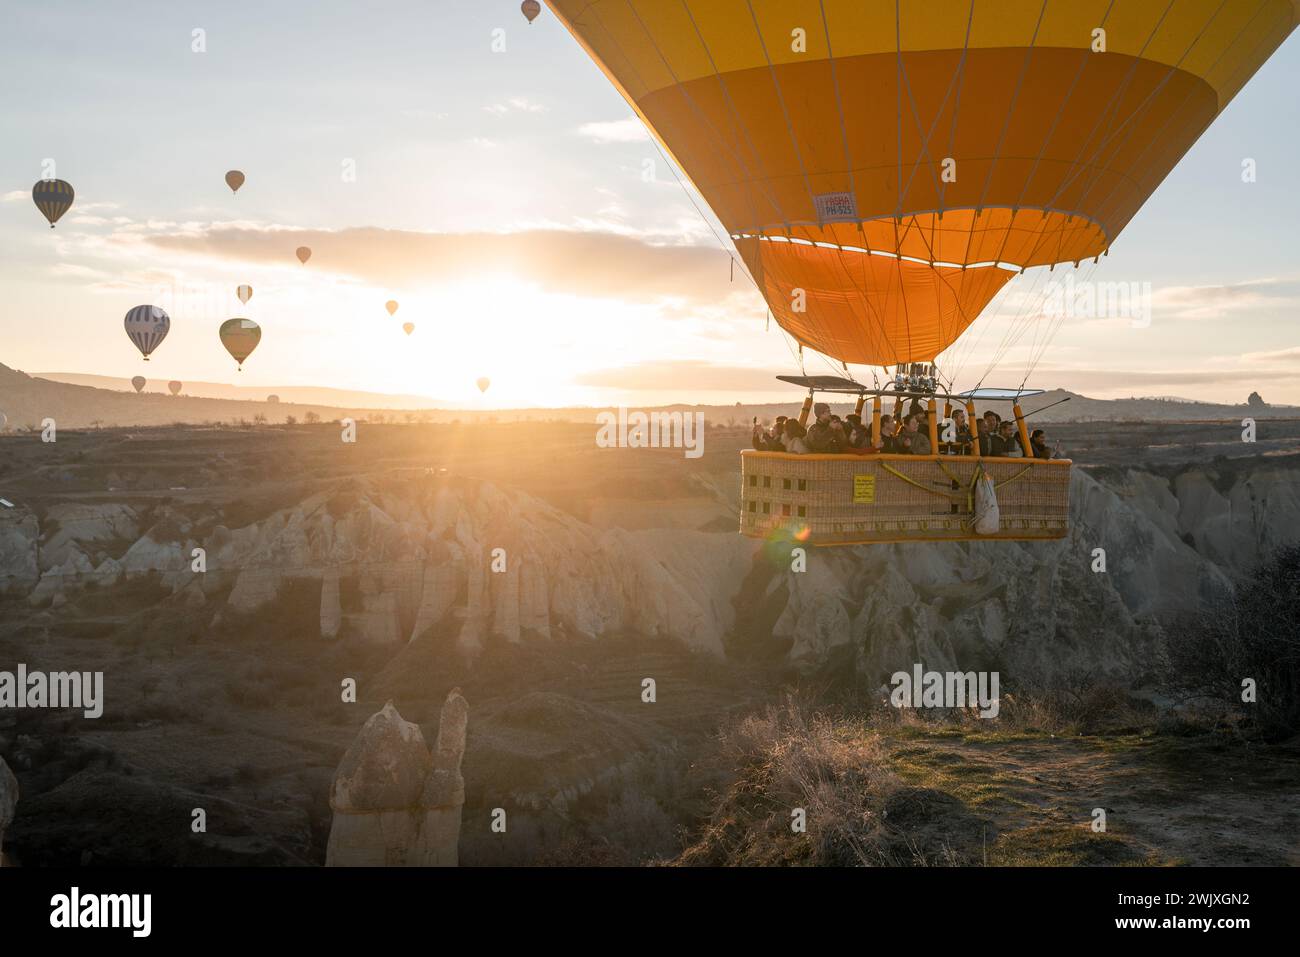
864,490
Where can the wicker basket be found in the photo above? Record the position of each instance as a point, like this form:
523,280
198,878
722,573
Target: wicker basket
843,499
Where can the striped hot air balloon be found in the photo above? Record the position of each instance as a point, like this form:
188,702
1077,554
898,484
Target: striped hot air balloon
147,327
53,197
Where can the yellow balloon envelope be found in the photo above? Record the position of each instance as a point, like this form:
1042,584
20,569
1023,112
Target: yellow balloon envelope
391,306
244,293
408,327
884,168
240,337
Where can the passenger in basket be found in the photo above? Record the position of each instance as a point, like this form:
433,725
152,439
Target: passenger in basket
1038,442
964,440
1006,444
914,440
821,436
793,440
888,440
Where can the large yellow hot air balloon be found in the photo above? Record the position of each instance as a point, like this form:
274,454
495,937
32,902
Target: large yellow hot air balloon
240,337
886,166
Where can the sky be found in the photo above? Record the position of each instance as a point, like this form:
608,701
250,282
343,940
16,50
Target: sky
499,197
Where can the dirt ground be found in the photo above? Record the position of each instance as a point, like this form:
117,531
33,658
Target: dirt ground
1167,799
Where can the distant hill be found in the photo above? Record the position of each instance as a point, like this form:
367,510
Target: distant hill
306,395
26,400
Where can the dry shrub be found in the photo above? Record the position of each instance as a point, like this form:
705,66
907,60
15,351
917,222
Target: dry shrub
789,757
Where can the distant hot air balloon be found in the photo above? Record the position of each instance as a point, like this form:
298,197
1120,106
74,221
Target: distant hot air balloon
273,399
240,337
244,293
138,383
391,306
531,9
408,327
174,387
483,384
53,197
147,327
234,179
304,253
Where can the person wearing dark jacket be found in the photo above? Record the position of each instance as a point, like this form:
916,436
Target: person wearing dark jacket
1038,442
1006,443
822,436
888,441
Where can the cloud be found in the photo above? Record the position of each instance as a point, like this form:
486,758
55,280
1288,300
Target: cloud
1291,355
515,104
685,375
588,264
14,195
630,130
1216,302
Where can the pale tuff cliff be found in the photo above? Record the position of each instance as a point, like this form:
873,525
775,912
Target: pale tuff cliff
391,559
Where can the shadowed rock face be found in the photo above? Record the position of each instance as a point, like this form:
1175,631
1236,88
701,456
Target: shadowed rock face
401,556
394,803
8,801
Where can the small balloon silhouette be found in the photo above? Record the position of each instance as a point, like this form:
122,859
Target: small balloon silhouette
531,9
244,293
303,253
408,327
138,382
174,387
391,306
234,179
483,384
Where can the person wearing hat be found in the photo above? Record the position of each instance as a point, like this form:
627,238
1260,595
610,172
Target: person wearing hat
822,436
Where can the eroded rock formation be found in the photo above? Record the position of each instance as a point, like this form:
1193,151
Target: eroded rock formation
388,560
396,804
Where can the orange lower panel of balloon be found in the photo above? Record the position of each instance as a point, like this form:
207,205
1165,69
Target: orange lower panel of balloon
868,309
